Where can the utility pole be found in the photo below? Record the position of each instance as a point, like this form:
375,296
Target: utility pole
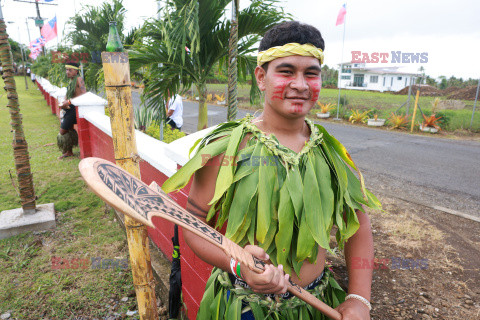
21,52
28,31
38,19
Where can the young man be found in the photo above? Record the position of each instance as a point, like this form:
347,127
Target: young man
281,182
67,137
175,112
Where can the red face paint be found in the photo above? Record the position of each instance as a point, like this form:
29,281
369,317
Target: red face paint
315,86
297,107
279,88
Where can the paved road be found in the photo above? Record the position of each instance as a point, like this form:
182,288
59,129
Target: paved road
423,169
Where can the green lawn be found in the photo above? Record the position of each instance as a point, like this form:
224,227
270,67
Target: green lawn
30,287
382,103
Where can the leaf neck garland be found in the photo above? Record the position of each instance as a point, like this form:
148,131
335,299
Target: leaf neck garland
71,87
280,200
288,157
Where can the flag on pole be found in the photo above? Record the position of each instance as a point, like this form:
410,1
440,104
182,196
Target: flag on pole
341,15
36,47
49,31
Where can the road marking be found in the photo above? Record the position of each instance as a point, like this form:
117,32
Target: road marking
457,213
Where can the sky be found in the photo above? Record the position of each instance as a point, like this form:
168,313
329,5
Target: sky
447,30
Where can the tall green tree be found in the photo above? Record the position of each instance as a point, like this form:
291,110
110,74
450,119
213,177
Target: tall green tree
329,76
183,48
89,30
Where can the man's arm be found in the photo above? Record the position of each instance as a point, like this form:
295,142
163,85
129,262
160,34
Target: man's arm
359,259
80,88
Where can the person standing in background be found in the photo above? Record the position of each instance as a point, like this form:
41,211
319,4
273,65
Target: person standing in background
175,112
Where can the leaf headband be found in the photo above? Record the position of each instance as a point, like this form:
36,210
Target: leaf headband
289,49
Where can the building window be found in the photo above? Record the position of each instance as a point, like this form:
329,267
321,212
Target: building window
384,78
391,83
346,77
347,69
399,78
374,79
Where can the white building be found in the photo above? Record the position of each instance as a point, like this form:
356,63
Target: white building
358,76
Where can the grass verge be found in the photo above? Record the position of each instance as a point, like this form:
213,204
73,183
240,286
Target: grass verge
31,285
381,103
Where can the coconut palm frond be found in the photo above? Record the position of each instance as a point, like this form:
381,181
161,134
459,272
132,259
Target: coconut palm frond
90,27
200,26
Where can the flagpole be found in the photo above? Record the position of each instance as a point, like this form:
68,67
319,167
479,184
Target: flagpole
58,32
341,63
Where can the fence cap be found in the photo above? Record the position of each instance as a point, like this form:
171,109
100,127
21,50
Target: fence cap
179,149
89,99
60,93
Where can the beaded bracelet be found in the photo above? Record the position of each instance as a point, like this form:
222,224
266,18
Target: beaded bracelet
359,298
235,267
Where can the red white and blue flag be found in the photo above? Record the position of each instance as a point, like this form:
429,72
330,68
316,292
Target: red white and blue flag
36,47
49,31
341,15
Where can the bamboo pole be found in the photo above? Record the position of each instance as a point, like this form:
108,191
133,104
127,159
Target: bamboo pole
119,95
415,110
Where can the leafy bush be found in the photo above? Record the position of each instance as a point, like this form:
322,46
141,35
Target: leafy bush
358,116
373,112
42,65
430,121
398,121
325,107
169,135
57,75
444,120
144,118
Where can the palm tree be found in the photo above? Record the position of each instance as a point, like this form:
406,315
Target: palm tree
201,28
20,146
90,31
232,63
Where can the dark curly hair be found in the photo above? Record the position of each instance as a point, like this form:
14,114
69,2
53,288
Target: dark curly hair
291,31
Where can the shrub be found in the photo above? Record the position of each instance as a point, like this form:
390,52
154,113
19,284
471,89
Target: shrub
144,118
169,135
398,121
358,116
430,121
325,107
444,120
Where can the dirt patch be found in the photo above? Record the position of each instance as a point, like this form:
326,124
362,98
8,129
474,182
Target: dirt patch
450,90
467,93
425,90
433,264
